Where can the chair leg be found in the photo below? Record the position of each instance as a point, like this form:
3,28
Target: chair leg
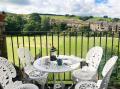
62,85
71,86
43,86
47,84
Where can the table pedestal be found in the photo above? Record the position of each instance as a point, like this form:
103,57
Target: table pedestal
56,85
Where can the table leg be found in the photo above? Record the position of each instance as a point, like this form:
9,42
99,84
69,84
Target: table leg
58,85
62,84
54,81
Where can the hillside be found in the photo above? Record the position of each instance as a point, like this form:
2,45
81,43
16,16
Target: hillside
65,17
51,22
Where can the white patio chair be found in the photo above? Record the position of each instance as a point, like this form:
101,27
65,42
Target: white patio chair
101,84
11,69
89,72
9,65
7,72
27,62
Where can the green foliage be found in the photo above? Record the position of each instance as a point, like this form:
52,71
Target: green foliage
63,26
105,16
101,19
38,22
46,24
35,17
67,15
84,18
14,23
33,23
32,26
116,19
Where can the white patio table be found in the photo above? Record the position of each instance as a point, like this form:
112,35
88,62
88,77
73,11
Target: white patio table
69,63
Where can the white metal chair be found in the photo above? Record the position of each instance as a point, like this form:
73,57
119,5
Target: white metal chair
89,72
101,84
9,65
7,72
27,62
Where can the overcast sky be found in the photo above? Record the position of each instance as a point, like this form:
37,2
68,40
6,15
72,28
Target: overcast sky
110,8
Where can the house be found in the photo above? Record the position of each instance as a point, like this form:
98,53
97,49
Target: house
70,22
105,26
99,26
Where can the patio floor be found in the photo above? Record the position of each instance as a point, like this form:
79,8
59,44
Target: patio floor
66,87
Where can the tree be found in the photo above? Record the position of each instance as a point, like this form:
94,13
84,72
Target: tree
35,17
33,23
116,19
46,24
32,26
90,16
84,18
14,23
67,15
105,16
63,26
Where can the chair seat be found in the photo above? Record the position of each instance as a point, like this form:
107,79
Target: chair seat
86,85
27,86
7,73
17,83
106,73
34,73
87,75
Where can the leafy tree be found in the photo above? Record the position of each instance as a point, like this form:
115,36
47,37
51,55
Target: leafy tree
35,17
116,19
63,26
33,23
91,17
67,15
46,24
105,16
32,26
84,18
14,23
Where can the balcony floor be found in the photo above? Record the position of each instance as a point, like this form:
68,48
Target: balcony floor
66,87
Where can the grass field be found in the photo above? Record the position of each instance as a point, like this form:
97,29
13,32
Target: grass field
75,45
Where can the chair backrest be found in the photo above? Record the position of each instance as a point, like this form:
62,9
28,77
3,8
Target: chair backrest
94,56
5,76
107,71
25,56
9,65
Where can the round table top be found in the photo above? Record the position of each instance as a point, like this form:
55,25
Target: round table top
69,63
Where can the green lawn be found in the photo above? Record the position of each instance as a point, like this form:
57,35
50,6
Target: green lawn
60,17
61,46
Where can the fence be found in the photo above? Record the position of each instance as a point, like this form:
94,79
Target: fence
67,43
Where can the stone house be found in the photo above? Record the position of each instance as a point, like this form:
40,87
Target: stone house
105,26
99,26
70,23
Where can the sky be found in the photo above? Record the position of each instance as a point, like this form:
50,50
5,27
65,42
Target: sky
110,8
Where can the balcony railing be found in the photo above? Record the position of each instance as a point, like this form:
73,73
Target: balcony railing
67,43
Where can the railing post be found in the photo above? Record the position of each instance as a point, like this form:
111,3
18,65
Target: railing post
3,48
